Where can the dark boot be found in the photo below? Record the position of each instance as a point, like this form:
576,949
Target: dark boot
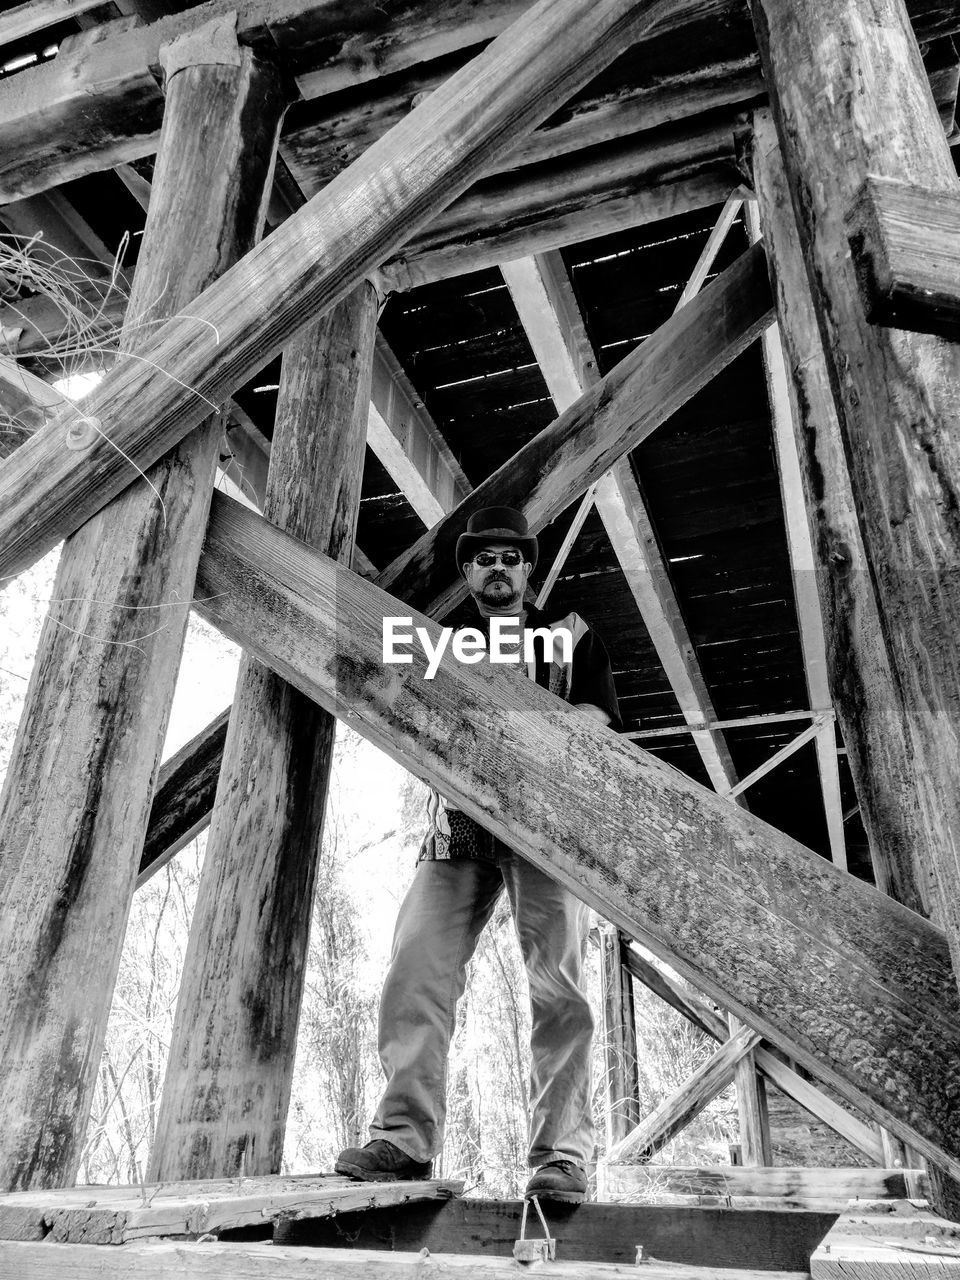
381,1161
558,1180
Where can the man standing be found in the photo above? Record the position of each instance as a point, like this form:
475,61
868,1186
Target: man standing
461,873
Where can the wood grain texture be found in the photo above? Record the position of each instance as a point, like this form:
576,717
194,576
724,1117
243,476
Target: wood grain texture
754,1122
897,394
186,787
828,969
229,1073
619,1040
311,262
608,420
76,798
119,1215
906,248
811,1189
677,1110
886,773
862,1136
277,1262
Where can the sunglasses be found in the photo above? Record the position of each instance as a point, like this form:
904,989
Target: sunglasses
509,558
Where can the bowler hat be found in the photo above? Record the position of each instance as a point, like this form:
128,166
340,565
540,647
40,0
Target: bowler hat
496,524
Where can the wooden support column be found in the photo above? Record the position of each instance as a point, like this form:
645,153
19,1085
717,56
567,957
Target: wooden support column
847,982
228,1079
887,775
897,394
619,1039
76,800
751,1106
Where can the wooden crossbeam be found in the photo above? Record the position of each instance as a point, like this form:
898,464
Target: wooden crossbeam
861,1136
685,1104
608,420
36,15
308,264
820,1190
668,861
906,247
638,395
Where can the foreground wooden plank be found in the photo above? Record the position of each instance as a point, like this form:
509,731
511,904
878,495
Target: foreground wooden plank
906,248
827,968
608,420
851,1259
307,265
119,1215
279,1262
820,1190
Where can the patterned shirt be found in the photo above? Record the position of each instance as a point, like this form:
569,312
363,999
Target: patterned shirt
587,678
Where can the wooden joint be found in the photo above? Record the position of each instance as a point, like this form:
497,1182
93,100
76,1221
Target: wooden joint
905,243
214,43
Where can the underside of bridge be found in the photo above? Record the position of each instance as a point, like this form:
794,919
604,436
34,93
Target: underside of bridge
679,279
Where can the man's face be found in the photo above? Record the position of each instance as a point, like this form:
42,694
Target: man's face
497,577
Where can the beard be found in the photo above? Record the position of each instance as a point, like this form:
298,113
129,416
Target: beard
498,591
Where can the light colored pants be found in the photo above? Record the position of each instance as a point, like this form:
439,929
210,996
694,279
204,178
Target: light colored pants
440,920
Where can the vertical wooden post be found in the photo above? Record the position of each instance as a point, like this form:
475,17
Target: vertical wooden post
619,1039
886,774
227,1086
849,98
755,1146
76,801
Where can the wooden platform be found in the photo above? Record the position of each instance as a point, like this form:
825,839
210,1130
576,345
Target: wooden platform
120,1215
904,1241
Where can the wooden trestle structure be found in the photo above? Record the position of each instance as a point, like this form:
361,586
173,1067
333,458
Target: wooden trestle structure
430,152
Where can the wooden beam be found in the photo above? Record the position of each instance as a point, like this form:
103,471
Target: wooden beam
404,437
906,246
861,1136
898,402
754,1127
619,1039
219,1261
761,721
548,311
230,1068
676,1111
607,421
76,797
666,860
307,265
820,1190
886,773
37,15
785,752
803,569
576,197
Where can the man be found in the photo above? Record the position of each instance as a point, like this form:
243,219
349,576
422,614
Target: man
461,873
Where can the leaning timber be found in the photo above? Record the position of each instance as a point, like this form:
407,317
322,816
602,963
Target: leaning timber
668,861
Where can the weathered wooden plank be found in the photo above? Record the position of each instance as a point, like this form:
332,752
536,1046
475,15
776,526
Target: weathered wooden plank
815,1189
897,394
608,1233
619,1040
76,797
754,1122
229,1073
906,248
676,1111
608,420
274,1262
884,768
119,1215
24,19
845,978
308,264
852,1260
